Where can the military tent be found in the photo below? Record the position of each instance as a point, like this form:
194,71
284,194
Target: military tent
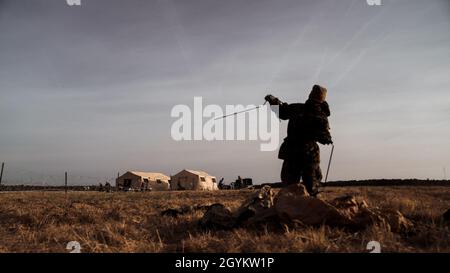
193,180
143,181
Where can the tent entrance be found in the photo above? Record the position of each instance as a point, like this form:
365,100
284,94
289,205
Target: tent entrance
127,183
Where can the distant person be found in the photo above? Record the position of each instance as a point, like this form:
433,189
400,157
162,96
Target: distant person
239,182
107,187
221,185
308,124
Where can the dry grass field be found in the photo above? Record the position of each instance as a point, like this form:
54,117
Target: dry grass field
131,222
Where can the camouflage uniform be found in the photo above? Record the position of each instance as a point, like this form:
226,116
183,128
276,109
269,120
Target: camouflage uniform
308,123
306,166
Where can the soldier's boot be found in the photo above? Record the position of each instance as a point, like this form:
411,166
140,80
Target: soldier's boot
312,175
290,172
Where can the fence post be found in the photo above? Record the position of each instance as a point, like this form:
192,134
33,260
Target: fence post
65,182
1,173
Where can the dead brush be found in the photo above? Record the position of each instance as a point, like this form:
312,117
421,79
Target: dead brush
131,222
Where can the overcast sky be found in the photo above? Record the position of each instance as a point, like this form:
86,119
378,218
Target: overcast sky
89,88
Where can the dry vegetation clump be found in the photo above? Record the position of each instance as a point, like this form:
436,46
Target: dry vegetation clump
131,222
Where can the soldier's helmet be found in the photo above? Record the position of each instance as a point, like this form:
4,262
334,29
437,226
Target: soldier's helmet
318,93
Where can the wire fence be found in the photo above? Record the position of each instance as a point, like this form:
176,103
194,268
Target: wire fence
20,176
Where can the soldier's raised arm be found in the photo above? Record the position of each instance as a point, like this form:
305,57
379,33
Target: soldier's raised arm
286,111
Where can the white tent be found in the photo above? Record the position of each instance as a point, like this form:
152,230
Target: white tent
144,181
193,180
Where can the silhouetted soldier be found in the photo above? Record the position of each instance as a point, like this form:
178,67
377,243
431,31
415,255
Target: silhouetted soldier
107,187
221,185
239,183
308,124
